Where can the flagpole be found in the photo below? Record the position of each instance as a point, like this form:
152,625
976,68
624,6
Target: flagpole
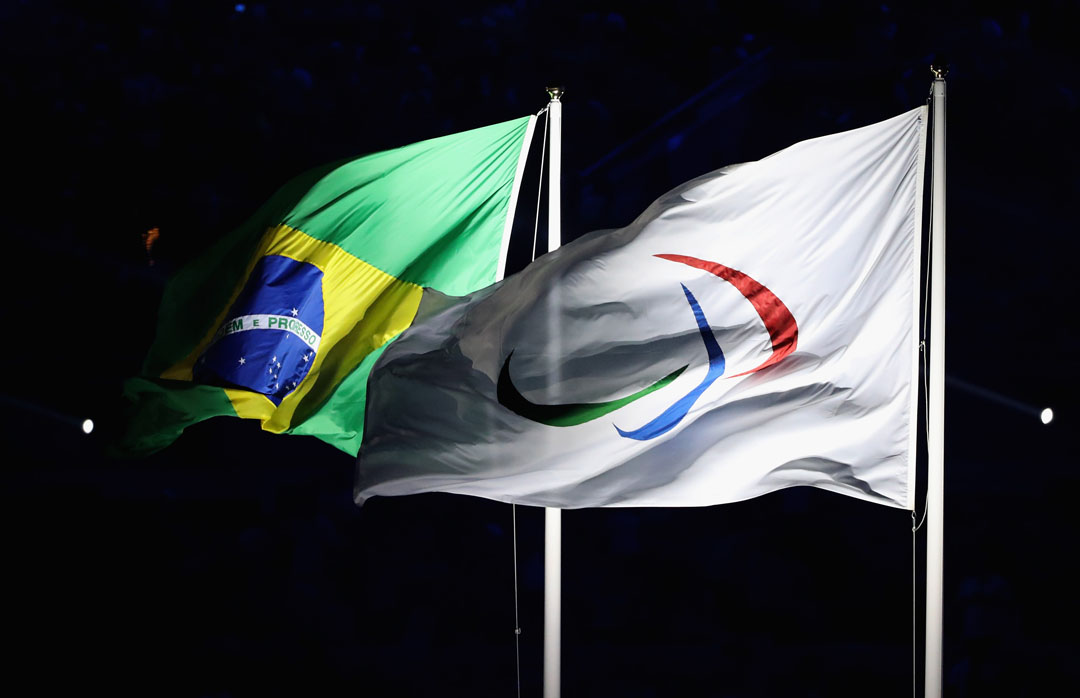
552,516
935,479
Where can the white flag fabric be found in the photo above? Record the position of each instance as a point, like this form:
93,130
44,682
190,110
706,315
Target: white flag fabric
754,329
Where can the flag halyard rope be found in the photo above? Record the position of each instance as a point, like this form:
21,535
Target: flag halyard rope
513,507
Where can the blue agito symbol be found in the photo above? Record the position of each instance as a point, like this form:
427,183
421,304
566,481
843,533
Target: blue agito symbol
272,332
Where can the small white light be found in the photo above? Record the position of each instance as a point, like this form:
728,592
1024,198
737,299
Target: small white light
1047,416
87,426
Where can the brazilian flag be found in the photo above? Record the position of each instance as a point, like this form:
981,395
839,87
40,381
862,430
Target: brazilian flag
282,320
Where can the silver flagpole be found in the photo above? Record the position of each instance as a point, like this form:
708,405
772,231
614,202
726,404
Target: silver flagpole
553,517
935,476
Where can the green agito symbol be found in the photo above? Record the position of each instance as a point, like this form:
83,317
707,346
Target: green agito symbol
571,414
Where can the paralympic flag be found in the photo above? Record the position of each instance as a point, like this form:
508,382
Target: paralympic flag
754,329
282,319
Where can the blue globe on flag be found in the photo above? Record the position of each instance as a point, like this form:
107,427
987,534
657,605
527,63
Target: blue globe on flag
271,334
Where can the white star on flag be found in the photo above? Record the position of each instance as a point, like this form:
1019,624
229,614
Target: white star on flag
294,312
242,361
305,357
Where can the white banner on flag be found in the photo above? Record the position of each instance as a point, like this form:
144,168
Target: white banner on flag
754,329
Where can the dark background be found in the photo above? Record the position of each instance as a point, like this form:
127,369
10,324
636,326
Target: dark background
235,563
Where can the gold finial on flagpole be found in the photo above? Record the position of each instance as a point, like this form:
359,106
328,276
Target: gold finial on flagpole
939,69
556,93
